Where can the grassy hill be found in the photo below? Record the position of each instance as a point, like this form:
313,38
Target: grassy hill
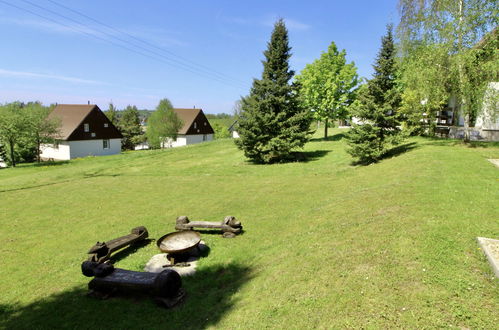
326,244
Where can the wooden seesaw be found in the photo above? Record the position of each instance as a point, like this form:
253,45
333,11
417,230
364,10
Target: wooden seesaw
229,226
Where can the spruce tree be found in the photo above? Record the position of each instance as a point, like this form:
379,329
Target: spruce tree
272,122
376,108
130,128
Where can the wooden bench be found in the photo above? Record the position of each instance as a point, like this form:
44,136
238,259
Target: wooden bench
229,226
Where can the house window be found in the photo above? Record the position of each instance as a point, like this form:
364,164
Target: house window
195,125
105,144
106,125
92,134
205,137
205,123
86,127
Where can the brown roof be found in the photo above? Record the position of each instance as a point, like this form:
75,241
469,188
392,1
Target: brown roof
74,116
191,116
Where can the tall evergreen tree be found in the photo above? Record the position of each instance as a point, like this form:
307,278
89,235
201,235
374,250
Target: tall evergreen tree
377,107
272,122
130,128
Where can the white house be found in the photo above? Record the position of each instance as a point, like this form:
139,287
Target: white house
85,131
233,130
195,129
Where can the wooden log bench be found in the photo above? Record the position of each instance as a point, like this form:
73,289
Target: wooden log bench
229,226
101,251
165,287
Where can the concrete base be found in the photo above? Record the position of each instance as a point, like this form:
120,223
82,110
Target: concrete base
491,249
494,161
158,262
476,134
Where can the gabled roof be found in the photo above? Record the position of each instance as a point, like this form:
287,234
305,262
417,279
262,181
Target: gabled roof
189,117
73,116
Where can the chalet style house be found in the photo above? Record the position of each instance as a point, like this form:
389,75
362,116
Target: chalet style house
85,131
196,127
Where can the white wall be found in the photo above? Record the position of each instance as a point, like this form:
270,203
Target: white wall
94,148
183,140
61,153
488,119
75,149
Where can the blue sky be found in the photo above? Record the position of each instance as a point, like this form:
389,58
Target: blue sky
195,53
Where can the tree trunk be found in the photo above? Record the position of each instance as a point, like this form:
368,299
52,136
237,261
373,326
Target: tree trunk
38,150
12,157
325,128
465,106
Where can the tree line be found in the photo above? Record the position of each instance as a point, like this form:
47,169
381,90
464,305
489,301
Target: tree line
438,55
24,127
445,48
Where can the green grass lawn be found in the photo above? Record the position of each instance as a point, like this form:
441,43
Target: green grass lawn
326,244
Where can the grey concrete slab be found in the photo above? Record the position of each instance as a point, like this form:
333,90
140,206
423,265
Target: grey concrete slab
491,249
494,161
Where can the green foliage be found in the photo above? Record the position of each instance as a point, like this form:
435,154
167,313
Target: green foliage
377,108
39,128
112,114
129,125
218,116
23,128
221,131
327,86
12,128
272,121
442,58
162,125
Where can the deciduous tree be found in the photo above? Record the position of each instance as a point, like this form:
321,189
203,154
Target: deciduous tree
12,129
440,57
163,125
112,114
39,128
327,86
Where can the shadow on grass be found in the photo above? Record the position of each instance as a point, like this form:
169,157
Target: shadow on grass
394,152
129,250
307,156
209,297
51,163
445,142
334,137
295,157
84,177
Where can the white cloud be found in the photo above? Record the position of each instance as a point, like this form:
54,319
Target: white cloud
23,74
159,37
295,25
291,24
